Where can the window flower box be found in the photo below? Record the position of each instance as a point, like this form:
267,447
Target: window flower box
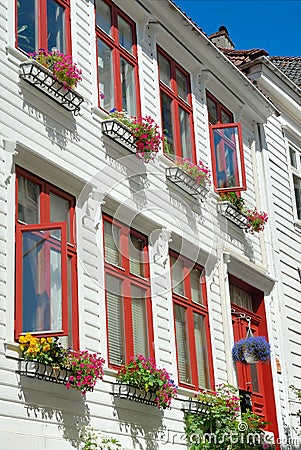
43,79
42,371
133,393
119,132
46,359
147,383
186,182
233,214
192,406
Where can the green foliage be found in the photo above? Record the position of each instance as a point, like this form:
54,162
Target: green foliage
233,198
222,426
142,373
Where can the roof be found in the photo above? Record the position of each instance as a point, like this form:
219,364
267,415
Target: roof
240,57
290,66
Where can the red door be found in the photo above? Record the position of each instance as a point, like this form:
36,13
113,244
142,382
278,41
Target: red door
248,312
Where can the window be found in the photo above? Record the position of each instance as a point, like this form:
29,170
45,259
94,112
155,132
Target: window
176,109
295,160
116,59
43,24
191,323
46,274
128,303
228,168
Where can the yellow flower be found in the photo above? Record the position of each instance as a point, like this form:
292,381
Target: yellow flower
22,347
33,342
46,348
43,340
49,339
22,339
28,336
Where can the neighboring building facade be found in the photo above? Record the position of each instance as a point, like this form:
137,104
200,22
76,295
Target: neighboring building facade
100,249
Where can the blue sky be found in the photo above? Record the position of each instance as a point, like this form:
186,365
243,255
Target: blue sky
270,24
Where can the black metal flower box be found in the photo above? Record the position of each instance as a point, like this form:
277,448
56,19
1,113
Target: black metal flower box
119,132
43,79
229,211
41,371
192,406
186,182
125,391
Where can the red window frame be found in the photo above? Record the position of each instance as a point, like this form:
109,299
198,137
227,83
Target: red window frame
192,307
222,160
69,254
129,279
118,51
171,91
42,29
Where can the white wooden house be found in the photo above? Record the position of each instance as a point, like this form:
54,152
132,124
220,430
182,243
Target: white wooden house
89,232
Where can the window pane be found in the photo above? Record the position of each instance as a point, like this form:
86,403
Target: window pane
103,16
227,157
41,283
112,244
177,270
201,350
28,201
105,76
115,320
182,344
26,31
125,34
56,26
297,189
196,286
212,111
185,134
182,85
139,321
241,297
128,87
136,256
293,158
59,212
164,69
166,103
226,118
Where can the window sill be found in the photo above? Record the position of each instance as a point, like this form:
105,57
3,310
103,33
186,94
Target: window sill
14,55
12,350
297,225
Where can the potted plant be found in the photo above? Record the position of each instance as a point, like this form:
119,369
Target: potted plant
142,373
47,359
193,178
56,75
139,133
251,349
234,208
